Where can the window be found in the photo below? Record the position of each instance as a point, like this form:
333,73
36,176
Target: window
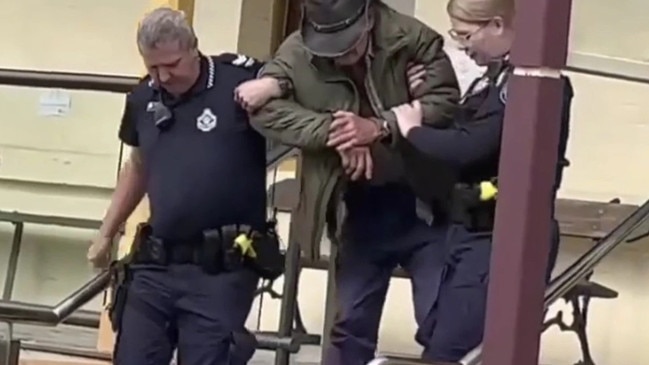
615,30
610,37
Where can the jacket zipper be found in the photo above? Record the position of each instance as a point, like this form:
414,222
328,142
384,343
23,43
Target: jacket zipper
373,98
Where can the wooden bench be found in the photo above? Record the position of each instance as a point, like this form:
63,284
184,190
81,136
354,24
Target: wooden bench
577,218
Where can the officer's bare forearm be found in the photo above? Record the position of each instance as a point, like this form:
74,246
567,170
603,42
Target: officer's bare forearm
129,191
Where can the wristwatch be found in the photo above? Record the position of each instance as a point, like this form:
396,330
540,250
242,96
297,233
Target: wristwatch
285,86
384,129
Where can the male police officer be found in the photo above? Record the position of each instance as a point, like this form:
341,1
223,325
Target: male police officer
203,169
343,70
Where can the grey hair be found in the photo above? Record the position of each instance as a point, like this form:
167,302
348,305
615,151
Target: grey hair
165,25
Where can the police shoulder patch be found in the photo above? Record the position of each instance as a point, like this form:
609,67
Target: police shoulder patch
238,60
145,80
501,82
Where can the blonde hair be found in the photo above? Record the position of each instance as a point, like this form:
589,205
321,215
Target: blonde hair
481,10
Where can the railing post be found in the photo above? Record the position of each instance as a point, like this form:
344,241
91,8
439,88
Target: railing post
14,352
330,302
12,265
5,343
289,300
290,288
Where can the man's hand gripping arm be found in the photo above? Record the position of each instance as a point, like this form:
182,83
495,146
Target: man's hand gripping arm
436,85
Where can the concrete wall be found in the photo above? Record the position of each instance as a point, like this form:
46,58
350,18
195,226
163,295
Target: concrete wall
40,157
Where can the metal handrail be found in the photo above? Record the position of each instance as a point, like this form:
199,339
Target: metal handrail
124,84
68,80
580,269
16,312
607,74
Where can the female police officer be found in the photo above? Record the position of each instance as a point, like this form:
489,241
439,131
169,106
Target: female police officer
483,29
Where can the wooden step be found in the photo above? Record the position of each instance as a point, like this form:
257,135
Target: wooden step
70,361
402,360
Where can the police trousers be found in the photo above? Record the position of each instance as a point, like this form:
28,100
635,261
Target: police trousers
181,307
362,278
457,322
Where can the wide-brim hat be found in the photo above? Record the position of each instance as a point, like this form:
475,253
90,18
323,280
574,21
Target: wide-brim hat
331,28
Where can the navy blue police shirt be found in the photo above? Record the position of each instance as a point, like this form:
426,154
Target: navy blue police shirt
473,146
205,167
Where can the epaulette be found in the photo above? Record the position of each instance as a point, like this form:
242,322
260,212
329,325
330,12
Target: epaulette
145,80
238,60
503,93
149,82
501,82
143,86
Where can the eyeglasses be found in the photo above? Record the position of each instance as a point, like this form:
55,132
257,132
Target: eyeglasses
462,36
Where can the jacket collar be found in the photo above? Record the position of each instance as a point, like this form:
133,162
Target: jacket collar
387,34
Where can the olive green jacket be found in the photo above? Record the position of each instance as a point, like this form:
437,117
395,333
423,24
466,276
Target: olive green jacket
319,89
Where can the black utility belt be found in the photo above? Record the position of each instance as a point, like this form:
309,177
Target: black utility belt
474,206
154,250
227,248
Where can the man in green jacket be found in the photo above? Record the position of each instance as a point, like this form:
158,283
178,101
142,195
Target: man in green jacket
336,80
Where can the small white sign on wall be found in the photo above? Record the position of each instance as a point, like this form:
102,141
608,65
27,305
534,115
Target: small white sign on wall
54,103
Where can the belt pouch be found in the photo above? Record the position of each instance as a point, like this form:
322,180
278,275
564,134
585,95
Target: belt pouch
153,251
211,255
270,261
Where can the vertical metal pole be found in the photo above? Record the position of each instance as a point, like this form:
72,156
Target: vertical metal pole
330,301
5,343
289,300
12,265
290,288
14,352
527,168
